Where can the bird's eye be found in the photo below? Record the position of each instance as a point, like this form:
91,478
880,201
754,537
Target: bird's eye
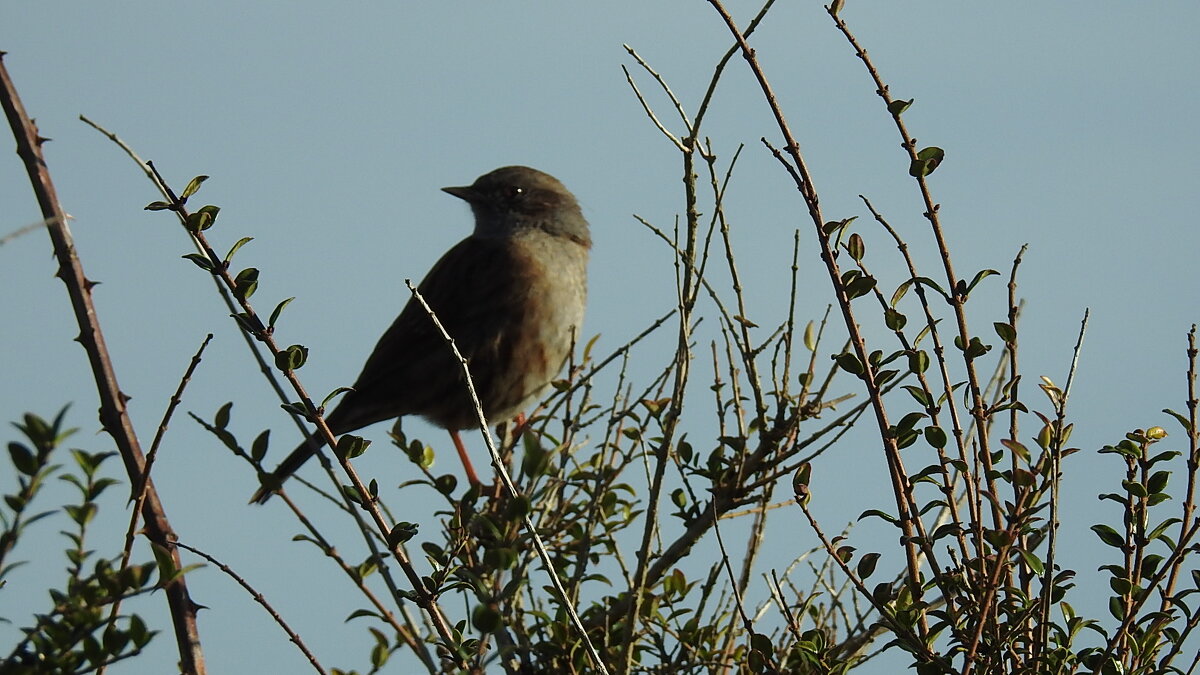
515,191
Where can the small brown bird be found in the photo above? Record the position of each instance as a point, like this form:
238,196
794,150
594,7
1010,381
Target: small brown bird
511,295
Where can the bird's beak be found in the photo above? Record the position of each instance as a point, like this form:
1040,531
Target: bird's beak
466,193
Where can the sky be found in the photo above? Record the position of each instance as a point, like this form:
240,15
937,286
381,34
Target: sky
328,130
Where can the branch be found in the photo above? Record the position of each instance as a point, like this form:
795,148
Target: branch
114,416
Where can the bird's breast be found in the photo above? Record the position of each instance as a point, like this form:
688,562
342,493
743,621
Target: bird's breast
553,280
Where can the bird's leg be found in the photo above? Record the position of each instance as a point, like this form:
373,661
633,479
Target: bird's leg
466,461
520,422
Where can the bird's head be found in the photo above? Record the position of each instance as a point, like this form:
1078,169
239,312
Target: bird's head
513,199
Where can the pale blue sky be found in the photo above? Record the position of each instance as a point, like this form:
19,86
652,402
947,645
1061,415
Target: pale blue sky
328,129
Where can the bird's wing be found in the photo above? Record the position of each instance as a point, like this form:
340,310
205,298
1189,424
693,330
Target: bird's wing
475,294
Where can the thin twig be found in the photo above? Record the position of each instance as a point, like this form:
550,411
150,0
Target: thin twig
32,227
258,597
139,487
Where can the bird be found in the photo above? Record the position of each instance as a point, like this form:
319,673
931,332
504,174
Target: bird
512,297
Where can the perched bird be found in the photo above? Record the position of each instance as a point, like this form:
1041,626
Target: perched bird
511,295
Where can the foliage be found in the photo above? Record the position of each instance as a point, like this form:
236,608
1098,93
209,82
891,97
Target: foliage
83,629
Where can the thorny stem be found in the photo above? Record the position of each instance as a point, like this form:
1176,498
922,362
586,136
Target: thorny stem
258,597
114,415
1193,461
956,298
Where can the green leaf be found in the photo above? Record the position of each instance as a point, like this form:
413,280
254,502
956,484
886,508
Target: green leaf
221,419
866,566
157,206
201,261
859,286
980,276
23,459
906,438
1183,421
278,310
850,363
833,226
485,619
1109,536
856,247
198,221
446,483
878,514
974,349
81,514
1017,447
249,323
800,481
1162,527
246,283
900,291
761,643
936,436
202,219
402,532
379,656
15,502
1006,332
909,421
212,212
518,508
919,394
918,362
167,571
1120,586
927,162
896,107
1033,562
258,449
350,446
193,187
894,320
240,243
296,408
352,494
333,394
926,281
1158,481
291,358
679,497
